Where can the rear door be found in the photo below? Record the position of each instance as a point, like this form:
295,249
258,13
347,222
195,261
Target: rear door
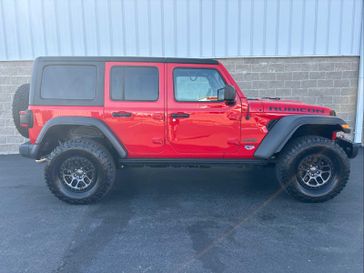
134,106
199,125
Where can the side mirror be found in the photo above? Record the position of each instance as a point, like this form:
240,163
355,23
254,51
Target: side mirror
227,94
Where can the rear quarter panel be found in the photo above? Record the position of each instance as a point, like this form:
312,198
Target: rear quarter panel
42,114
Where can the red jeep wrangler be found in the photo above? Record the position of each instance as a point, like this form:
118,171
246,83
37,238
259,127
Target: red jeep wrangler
86,116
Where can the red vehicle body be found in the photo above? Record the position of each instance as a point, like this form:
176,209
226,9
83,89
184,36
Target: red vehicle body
80,107
213,129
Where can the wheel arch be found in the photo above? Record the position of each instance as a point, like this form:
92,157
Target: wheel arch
62,128
290,127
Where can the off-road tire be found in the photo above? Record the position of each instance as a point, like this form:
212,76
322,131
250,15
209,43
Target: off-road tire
20,103
95,153
299,149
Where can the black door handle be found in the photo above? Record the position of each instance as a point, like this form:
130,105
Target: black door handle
121,114
180,115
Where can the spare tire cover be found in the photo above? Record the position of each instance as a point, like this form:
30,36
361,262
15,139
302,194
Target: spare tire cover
21,103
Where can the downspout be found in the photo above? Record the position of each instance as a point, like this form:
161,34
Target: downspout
360,98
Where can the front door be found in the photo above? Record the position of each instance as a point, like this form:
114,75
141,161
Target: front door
198,124
134,106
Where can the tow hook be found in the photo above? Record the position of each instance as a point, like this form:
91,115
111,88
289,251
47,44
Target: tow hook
42,160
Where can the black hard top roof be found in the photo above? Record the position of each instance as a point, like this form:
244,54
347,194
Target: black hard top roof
129,59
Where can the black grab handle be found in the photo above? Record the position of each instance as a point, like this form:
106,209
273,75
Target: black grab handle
121,114
180,115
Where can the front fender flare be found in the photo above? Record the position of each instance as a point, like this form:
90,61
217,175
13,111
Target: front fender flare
285,127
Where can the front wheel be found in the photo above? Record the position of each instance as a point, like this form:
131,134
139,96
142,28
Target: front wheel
80,171
313,169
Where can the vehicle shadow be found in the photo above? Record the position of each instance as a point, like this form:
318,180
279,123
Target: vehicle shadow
217,182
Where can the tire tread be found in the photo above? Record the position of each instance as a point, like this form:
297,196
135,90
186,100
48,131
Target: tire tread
98,151
299,145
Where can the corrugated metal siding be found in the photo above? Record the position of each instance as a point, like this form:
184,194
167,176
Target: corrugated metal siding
184,28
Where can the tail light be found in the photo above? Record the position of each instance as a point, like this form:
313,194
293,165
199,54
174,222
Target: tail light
26,118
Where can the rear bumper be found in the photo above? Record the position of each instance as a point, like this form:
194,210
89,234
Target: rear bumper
349,147
29,150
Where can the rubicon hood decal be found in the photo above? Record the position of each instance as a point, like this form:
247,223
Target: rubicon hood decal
296,109
287,107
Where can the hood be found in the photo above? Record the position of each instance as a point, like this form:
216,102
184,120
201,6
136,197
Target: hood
283,107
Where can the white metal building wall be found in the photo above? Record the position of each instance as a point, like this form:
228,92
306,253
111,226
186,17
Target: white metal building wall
186,28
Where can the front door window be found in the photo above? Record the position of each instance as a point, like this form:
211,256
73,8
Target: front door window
193,85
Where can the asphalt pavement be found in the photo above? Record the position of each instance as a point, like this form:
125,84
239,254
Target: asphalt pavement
178,220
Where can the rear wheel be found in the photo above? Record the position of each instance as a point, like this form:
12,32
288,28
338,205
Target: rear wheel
80,171
313,169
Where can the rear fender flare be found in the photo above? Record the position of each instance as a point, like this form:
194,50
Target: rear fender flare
82,121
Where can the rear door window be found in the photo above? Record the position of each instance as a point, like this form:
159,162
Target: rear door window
129,83
71,82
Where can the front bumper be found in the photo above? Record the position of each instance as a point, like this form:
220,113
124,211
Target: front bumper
350,148
29,150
